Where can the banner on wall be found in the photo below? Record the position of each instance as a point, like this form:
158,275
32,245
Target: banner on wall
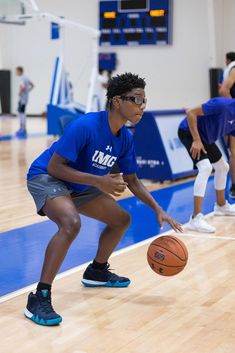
55,31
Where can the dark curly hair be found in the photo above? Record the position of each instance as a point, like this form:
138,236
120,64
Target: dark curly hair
230,56
121,84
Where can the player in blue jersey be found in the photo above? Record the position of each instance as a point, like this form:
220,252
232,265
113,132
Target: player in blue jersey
72,177
227,89
198,132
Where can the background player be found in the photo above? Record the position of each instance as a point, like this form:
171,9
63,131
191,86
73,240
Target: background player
25,86
198,132
71,178
227,89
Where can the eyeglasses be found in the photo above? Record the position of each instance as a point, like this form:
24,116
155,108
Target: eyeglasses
136,99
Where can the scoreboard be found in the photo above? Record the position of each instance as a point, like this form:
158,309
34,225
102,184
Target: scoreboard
135,22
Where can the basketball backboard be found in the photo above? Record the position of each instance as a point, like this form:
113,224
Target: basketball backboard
9,10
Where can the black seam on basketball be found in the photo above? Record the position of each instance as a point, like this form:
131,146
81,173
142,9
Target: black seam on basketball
162,264
177,240
160,246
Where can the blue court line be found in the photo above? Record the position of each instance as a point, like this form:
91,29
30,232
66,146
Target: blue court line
13,137
22,250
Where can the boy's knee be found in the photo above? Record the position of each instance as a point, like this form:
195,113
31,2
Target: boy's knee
122,220
126,219
71,226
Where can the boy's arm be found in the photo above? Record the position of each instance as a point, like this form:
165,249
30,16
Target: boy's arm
111,183
139,190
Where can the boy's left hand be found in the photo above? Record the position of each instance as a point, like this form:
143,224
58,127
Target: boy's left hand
162,216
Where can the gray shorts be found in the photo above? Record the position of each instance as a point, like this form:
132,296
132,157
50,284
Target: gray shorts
43,186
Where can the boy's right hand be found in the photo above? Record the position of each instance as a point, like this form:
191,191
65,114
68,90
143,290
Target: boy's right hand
112,184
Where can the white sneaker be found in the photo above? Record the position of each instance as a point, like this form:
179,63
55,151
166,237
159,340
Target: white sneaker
225,210
199,224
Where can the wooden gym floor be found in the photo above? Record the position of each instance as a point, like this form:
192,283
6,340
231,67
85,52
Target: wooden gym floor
191,312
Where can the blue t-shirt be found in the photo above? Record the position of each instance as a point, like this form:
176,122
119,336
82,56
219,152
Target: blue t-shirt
90,147
219,119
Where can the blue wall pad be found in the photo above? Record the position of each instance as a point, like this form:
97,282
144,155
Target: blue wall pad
22,250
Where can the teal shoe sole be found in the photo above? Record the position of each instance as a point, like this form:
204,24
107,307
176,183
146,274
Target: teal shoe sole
52,322
108,284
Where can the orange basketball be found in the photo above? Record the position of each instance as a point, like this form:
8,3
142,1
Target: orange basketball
167,255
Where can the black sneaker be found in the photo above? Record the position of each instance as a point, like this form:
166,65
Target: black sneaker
232,193
39,309
103,278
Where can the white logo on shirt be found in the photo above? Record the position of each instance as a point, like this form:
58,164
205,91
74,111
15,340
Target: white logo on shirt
103,159
109,148
230,122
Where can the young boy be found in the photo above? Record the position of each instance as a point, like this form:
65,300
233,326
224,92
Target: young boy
72,177
198,132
